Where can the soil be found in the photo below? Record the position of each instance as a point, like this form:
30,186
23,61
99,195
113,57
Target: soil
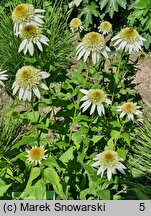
143,78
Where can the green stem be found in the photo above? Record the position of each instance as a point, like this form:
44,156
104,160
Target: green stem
121,129
34,117
117,76
72,124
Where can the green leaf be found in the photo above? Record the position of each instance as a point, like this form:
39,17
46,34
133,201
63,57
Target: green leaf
121,153
139,4
110,144
115,134
62,144
3,187
68,155
104,194
51,161
103,3
39,189
96,138
77,78
41,126
35,172
25,140
122,3
51,176
88,12
126,138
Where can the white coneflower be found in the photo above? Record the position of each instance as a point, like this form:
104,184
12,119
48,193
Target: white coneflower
3,76
105,28
128,39
96,98
108,160
36,154
130,109
76,25
93,44
25,13
31,34
28,79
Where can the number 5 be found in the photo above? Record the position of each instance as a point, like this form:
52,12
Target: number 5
142,206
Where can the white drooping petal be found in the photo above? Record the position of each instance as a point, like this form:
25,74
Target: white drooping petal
31,48
22,45
15,89
36,91
42,85
84,98
109,174
44,74
21,92
99,109
92,109
39,46
86,106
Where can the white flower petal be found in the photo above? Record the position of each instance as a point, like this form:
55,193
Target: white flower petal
44,74
109,174
84,91
122,114
31,48
86,107
92,109
39,46
36,92
21,93
42,85
84,98
22,45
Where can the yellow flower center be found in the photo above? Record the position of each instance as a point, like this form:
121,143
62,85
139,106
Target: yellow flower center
29,31
129,34
36,153
94,40
109,159
22,13
75,23
27,77
96,96
109,156
129,108
105,26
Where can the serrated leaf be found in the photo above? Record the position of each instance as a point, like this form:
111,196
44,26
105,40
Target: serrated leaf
103,3
126,138
122,3
68,155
